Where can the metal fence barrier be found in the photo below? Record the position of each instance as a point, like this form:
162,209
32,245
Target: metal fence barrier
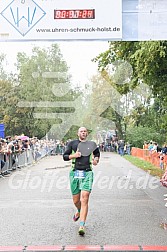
12,161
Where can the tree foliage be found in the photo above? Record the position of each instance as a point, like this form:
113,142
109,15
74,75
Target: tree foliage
149,64
28,98
137,135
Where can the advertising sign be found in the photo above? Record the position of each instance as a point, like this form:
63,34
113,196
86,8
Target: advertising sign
2,130
60,20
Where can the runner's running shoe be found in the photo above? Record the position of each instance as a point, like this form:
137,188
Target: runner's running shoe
81,231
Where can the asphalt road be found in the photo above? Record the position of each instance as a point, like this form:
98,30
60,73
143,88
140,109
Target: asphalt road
126,206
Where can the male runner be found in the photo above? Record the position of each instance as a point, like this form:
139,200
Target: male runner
81,185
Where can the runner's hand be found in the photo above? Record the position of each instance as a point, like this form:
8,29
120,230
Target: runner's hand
95,161
77,154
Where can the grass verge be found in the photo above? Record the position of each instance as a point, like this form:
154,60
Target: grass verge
144,165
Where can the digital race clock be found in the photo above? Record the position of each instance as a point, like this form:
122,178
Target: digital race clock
74,14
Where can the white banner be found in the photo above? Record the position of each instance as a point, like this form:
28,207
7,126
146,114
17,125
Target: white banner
60,19
152,20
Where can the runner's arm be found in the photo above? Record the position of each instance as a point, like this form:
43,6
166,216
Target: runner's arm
68,153
96,154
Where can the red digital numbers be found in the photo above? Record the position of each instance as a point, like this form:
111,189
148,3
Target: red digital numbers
74,14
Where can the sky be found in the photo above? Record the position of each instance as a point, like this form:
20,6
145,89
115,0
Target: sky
77,54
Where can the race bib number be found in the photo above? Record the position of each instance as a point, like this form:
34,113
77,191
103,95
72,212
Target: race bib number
79,174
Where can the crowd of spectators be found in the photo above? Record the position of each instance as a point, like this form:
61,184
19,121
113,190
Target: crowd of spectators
119,146
153,147
32,149
19,151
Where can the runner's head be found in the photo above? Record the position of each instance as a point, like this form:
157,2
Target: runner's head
82,133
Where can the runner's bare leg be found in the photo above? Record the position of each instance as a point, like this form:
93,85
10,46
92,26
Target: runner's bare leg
84,205
76,200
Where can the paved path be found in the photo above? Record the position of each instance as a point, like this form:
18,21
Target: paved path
126,206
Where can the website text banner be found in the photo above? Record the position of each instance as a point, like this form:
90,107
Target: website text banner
60,20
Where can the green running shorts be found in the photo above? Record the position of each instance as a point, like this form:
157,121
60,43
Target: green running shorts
81,184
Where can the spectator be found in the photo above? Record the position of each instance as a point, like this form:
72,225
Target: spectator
150,146
127,146
121,146
163,180
154,147
145,145
161,161
164,149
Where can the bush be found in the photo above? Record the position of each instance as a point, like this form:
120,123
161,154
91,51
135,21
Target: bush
137,135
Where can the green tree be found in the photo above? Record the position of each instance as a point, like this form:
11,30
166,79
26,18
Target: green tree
39,74
8,107
137,135
29,97
149,63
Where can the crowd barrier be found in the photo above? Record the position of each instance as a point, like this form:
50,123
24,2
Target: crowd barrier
152,157
12,161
